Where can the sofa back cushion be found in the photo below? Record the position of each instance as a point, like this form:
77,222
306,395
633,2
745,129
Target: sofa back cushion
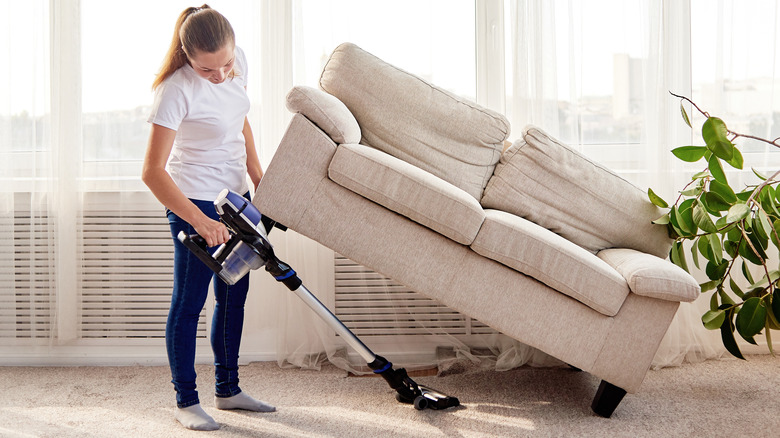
415,121
550,184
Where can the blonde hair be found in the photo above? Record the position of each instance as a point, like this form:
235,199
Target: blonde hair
201,29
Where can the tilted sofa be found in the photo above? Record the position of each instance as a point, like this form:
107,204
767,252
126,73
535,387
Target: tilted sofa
535,240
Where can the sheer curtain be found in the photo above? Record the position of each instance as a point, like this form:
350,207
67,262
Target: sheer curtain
85,261
26,163
598,76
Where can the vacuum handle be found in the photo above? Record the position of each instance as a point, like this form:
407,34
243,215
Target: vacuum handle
199,247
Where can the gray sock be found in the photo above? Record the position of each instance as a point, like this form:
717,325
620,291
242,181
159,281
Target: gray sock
242,401
195,418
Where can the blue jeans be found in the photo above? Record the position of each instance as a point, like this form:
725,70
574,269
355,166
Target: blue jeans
190,288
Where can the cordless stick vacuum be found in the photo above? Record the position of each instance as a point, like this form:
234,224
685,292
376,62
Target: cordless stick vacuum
248,248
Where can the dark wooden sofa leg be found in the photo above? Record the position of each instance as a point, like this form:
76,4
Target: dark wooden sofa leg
607,398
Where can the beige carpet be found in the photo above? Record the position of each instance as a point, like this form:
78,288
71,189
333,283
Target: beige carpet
714,398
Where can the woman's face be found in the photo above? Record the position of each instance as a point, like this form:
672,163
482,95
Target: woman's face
215,67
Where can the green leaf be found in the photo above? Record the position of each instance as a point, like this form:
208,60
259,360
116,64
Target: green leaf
751,318
674,224
773,310
736,161
677,255
716,271
724,297
685,217
713,163
776,303
758,247
731,248
713,301
744,195
727,335
702,219
765,281
709,285
702,174
724,190
693,191
773,233
716,202
735,288
770,204
690,154
695,253
713,320
737,212
746,273
758,174
763,223
663,220
655,199
705,249
685,115
714,133
715,247
747,252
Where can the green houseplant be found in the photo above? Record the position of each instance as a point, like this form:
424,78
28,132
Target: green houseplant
730,233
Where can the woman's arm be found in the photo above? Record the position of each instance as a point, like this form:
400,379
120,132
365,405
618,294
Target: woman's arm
168,193
253,166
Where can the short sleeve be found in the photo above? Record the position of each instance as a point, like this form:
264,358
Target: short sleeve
241,68
169,107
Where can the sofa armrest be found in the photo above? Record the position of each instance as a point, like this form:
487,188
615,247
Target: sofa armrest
326,111
651,276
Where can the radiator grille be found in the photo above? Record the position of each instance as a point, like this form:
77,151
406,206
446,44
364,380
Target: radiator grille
125,270
26,274
127,275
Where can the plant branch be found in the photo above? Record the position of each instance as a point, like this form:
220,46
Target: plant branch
763,184
704,113
753,137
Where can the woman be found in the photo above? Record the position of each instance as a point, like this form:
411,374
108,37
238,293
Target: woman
199,128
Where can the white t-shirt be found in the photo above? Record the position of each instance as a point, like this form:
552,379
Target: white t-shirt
209,151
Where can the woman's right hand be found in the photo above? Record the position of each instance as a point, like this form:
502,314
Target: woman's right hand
213,232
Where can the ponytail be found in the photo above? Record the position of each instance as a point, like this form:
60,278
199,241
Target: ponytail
197,30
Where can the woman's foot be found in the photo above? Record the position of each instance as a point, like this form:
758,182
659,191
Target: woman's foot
195,418
242,401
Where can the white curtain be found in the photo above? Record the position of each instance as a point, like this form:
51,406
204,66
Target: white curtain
26,179
598,75
81,234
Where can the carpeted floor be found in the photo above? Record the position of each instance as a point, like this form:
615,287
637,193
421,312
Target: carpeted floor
716,398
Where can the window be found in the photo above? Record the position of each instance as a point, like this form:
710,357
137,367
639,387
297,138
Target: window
433,39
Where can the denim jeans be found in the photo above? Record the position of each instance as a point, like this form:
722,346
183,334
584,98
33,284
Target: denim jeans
190,289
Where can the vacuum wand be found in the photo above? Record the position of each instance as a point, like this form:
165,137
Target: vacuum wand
248,248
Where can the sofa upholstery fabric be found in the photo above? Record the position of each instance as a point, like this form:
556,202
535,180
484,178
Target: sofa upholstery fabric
327,112
651,276
407,190
538,252
552,185
405,116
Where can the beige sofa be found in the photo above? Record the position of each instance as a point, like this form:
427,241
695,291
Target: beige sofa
535,241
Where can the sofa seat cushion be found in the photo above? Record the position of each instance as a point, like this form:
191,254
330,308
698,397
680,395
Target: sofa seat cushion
651,276
407,190
551,184
539,253
411,119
